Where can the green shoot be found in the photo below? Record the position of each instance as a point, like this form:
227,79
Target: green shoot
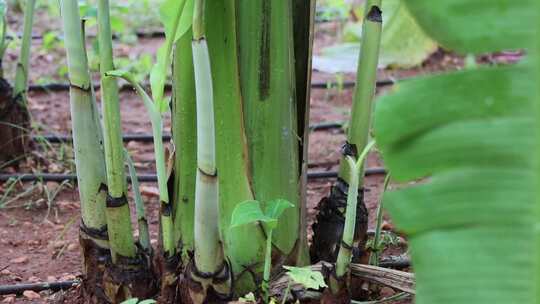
144,234
156,120
377,244
21,74
345,251
250,212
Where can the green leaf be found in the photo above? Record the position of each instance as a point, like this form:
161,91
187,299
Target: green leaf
151,107
275,208
248,298
149,301
176,17
168,12
119,73
306,276
472,137
477,26
249,212
158,72
403,43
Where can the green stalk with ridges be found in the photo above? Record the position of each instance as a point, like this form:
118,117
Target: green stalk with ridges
118,215
184,133
366,77
208,252
243,245
89,159
268,80
21,73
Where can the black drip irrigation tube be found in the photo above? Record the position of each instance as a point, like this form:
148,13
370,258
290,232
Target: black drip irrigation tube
161,34
146,137
150,178
20,288
58,87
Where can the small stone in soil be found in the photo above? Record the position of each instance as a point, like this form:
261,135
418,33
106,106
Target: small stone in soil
9,299
20,260
31,295
67,277
58,244
72,247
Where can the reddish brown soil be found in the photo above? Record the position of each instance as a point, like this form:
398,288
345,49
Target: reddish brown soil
39,241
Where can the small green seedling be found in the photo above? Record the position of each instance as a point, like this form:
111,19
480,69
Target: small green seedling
304,276
250,212
136,301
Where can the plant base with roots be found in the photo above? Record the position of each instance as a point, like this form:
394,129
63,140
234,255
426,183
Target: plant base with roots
105,282
14,121
328,227
169,270
196,287
340,296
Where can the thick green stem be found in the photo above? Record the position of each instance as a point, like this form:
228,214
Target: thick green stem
244,246
89,159
198,20
345,250
184,132
270,107
208,252
21,74
376,250
117,211
360,122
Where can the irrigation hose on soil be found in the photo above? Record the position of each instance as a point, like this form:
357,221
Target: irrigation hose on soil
148,178
20,288
145,137
58,87
161,34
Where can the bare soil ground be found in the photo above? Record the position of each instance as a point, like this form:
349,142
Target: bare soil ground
39,235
